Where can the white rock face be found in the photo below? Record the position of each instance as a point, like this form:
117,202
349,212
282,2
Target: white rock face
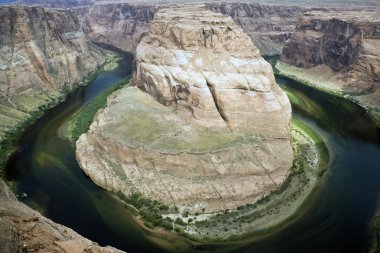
202,61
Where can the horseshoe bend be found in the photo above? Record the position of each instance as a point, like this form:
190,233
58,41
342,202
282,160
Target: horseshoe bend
204,128
165,126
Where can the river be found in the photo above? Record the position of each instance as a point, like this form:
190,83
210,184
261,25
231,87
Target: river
336,219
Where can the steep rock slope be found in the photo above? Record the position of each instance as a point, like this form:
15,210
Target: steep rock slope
269,26
212,132
43,54
25,230
56,3
342,48
119,25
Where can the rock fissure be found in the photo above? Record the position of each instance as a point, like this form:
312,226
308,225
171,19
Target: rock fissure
218,106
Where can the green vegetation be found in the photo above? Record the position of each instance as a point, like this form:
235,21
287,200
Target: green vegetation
110,63
142,121
13,122
151,211
22,121
299,75
281,205
376,226
322,149
80,122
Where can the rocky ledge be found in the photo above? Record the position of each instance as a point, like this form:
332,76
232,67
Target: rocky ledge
24,230
338,51
211,129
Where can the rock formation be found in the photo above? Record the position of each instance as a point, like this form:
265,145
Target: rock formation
346,45
56,3
43,54
208,65
25,230
212,132
269,26
119,25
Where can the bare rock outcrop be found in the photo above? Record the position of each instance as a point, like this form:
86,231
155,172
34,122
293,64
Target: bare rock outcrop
205,63
119,25
41,51
43,54
211,130
269,26
346,45
25,230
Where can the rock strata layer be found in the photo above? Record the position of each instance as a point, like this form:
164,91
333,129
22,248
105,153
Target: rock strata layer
25,230
203,62
211,130
269,26
43,54
342,48
119,25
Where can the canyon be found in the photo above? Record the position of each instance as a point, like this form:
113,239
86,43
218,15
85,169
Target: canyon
220,145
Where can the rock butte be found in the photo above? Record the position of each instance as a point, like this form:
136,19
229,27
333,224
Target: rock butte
211,130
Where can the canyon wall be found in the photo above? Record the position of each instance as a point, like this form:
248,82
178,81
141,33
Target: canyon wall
269,26
210,130
56,3
342,48
43,54
119,25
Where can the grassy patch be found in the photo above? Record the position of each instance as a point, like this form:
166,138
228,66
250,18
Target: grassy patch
255,219
299,75
322,149
80,122
30,108
376,226
144,122
10,137
151,211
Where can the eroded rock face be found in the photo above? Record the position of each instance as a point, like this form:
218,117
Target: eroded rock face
202,61
342,49
347,42
42,53
119,25
24,230
210,132
269,26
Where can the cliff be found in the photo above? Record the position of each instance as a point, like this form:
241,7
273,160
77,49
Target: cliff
211,130
25,230
56,3
269,26
119,25
341,48
43,55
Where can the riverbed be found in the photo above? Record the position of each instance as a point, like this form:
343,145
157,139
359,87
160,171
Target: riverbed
336,219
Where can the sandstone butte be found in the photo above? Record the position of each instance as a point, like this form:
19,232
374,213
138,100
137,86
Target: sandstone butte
206,127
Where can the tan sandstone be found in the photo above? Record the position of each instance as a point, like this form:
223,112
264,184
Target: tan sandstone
211,131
